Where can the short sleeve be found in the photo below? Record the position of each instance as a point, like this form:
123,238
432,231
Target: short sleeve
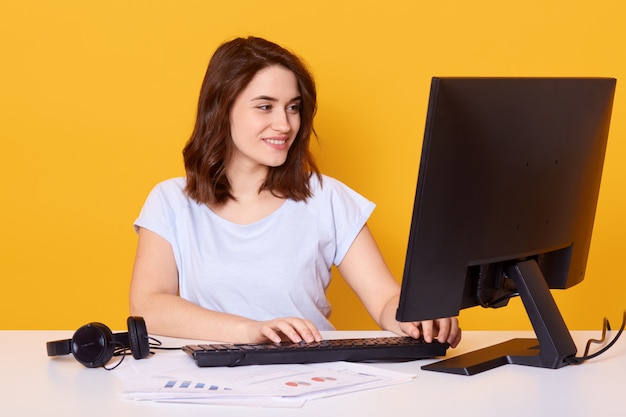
158,213
349,213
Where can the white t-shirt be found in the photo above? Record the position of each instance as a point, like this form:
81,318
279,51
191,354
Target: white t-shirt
276,267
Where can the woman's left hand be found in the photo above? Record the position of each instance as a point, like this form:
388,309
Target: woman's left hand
445,330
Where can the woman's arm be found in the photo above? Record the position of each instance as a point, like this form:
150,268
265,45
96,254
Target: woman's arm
365,270
154,296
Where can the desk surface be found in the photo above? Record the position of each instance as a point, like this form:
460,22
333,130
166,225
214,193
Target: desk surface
31,383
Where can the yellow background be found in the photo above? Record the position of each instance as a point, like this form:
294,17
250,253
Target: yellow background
98,98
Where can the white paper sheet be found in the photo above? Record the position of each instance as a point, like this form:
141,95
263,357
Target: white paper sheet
174,377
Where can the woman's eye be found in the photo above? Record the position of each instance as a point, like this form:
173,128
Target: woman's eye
294,108
265,107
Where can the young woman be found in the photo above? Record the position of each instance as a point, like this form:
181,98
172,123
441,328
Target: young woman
241,249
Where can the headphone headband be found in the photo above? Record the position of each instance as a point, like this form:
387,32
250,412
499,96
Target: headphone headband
59,347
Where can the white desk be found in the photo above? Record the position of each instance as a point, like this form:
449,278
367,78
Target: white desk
33,384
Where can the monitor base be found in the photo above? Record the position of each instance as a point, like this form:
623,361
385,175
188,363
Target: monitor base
515,351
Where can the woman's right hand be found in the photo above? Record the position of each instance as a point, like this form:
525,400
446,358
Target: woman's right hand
292,329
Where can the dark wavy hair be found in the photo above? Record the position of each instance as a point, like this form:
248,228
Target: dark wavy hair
208,151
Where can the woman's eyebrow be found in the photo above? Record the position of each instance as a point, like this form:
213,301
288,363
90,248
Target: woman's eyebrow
273,99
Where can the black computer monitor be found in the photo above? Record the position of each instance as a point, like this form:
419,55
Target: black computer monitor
505,203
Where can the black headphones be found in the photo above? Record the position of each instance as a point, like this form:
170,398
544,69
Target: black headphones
94,344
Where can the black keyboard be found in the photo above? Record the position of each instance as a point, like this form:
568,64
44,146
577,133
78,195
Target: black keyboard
377,349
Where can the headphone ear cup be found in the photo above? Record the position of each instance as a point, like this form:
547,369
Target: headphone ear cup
92,345
138,337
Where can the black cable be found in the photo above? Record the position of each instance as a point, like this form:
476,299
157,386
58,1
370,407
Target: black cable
118,351
156,344
499,300
123,351
606,326
578,360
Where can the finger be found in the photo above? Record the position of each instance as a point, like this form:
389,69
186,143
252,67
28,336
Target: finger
449,331
314,334
443,330
427,330
271,334
456,339
410,328
305,329
297,330
286,328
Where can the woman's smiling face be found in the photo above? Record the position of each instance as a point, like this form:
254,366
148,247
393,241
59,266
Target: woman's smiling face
265,119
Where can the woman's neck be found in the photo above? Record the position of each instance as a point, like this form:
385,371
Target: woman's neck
251,203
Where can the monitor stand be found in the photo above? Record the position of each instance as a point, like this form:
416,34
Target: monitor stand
552,346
